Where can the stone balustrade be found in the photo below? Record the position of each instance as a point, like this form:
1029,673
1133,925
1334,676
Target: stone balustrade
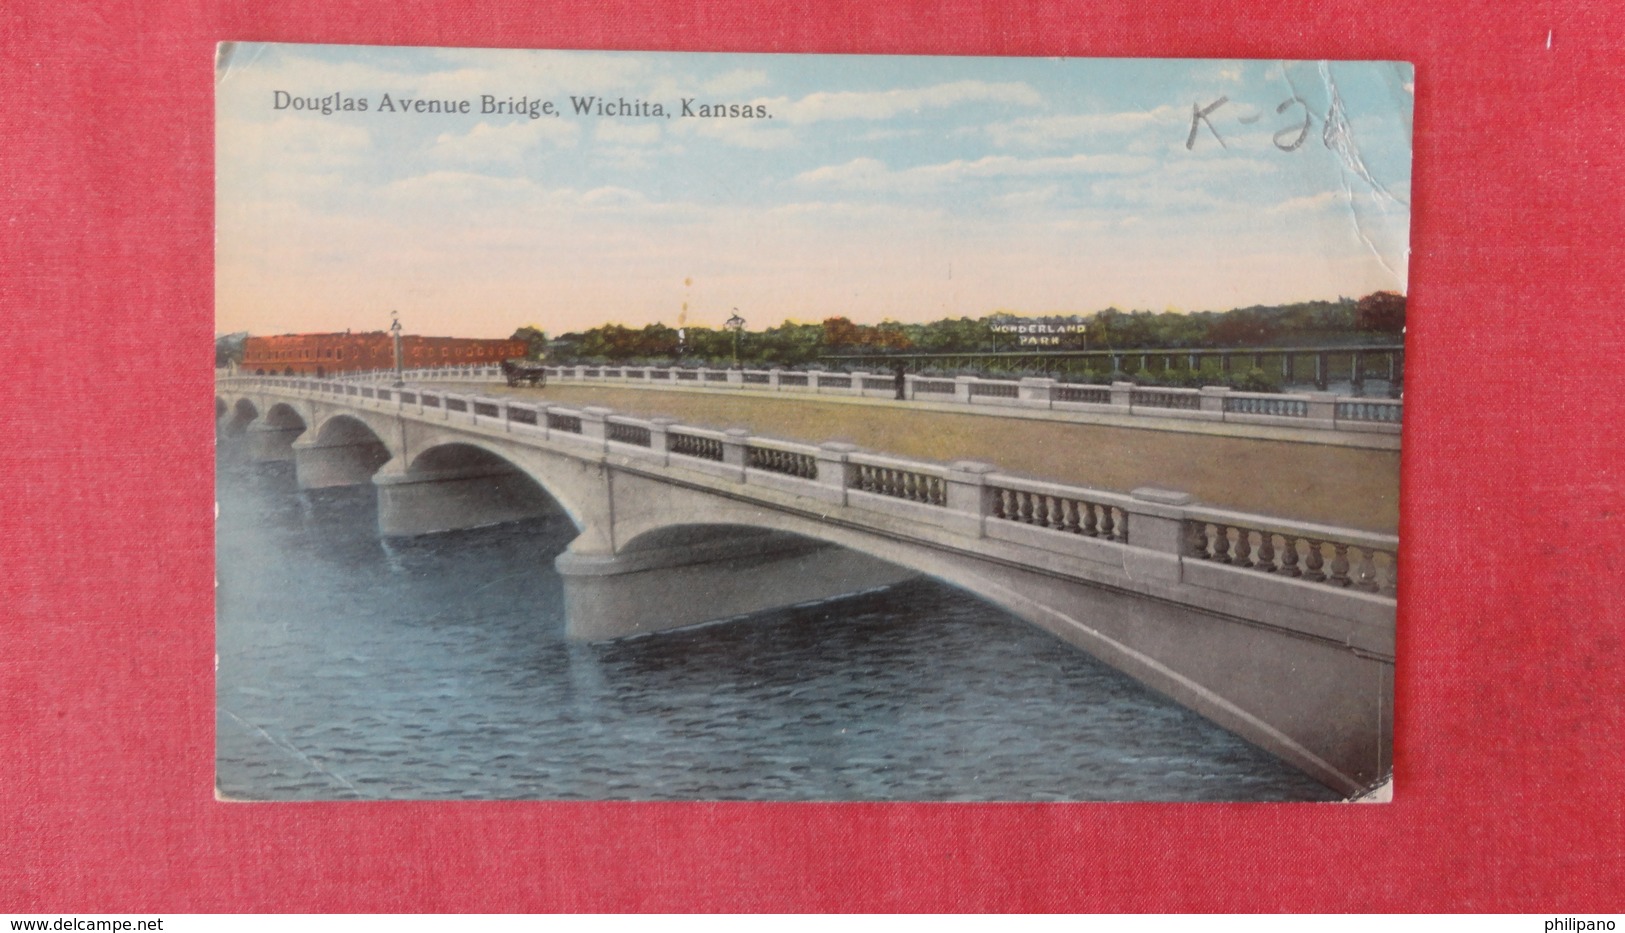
1313,553
1317,410
1204,544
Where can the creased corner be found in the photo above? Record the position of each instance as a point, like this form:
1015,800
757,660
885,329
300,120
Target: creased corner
226,53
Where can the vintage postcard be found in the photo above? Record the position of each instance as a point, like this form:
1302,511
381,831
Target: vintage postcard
635,426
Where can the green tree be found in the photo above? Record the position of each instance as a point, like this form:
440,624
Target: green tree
1383,312
535,340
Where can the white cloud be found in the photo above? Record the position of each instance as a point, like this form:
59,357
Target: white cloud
304,143
736,82
746,134
1310,203
872,174
1028,199
1051,131
503,143
627,134
881,105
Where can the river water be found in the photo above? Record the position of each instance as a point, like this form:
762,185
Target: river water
436,668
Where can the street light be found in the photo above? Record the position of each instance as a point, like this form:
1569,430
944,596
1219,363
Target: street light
395,332
736,324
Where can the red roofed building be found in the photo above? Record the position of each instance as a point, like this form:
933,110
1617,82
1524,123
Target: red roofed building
326,354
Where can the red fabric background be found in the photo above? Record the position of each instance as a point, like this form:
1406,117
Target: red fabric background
1510,762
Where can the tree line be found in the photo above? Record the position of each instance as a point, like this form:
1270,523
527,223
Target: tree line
1379,316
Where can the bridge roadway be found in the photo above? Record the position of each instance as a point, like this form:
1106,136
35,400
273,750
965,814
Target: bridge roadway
1271,471
1281,631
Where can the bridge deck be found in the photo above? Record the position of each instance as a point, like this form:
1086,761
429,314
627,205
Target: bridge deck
1336,485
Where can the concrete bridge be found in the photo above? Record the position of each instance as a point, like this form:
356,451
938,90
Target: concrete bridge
1280,631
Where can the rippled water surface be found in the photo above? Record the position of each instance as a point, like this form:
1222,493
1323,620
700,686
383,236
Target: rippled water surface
435,668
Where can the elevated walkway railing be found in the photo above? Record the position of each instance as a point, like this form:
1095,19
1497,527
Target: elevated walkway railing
1238,553
1317,410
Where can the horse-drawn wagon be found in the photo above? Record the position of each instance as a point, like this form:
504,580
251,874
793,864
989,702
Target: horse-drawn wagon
526,372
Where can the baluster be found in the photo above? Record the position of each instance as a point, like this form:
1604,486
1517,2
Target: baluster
1266,552
1024,507
1090,529
1244,547
1340,564
1069,516
1365,576
1289,556
1040,510
1108,529
1196,540
999,510
1314,563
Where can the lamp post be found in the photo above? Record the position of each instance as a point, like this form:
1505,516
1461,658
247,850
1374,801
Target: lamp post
735,324
395,332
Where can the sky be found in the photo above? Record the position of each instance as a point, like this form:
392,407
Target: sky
874,188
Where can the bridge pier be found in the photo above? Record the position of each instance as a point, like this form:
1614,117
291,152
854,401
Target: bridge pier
737,570
319,466
420,502
270,442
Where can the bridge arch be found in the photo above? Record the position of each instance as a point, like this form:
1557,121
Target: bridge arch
458,484
343,429
332,426
339,450
238,416
284,416
778,533
519,480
